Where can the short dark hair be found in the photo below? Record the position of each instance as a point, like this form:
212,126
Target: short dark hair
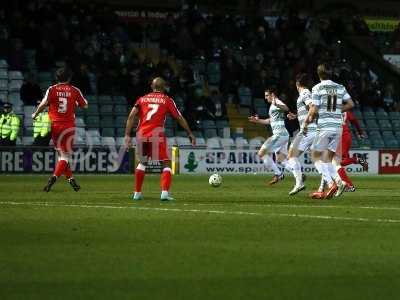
64,74
302,79
324,71
271,89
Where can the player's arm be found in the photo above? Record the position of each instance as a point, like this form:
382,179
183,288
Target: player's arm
183,123
257,120
82,102
354,121
129,126
280,105
43,104
349,104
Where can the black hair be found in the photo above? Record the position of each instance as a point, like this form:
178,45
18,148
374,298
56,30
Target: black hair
63,74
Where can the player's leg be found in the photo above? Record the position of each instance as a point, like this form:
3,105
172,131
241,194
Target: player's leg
140,171
334,152
296,149
265,153
166,174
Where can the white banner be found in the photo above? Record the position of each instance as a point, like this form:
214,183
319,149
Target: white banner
203,161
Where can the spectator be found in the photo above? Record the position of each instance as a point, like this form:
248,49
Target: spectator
30,91
9,126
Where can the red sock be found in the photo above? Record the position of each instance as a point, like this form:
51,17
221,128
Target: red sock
60,168
139,177
348,161
68,172
344,177
166,179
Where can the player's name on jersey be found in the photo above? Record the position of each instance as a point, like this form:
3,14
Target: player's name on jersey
153,100
63,94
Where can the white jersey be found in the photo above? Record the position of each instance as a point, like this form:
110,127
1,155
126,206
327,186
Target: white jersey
277,117
302,102
329,97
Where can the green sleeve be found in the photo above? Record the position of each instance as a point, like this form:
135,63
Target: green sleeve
46,125
15,124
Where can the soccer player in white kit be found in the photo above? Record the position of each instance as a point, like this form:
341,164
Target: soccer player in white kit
329,101
302,142
278,142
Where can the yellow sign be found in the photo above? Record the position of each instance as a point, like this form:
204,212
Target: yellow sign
382,24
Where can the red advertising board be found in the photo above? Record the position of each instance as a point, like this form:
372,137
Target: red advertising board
389,161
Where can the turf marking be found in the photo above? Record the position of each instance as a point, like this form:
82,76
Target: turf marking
323,217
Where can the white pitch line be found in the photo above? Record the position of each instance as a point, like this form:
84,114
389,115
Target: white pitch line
55,204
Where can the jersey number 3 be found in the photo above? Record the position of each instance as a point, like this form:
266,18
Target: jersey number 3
152,111
62,105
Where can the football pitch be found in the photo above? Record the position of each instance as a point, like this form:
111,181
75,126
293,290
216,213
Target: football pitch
243,240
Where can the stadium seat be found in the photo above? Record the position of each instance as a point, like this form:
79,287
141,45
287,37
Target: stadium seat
79,140
95,141
108,132
385,124
241,142
369,114
377,143
262,111
396,125
171,141
208,124
106,109
244,94
391,143
92,99
45,76
120,141
180,134
107,121
28,110
3,85
394,115
213,143
79,122
358,114
227,143
119,100
92,122
28,131
364,143
105,99
108,141
222,123
121,110
15,75
255,143
27,140
120,121
3,74
374,134
183,141
93,133
169,132
198,134
210,133
92,109
224,132
213,73
259,102
382,115
372,124
120,131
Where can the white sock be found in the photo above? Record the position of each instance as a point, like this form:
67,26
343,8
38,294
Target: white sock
321,185
296,170
164,194
287,165
334,174
137,194
318,166
326,172
269,162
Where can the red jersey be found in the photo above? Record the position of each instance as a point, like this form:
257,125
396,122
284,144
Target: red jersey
349,117
63,98
153,109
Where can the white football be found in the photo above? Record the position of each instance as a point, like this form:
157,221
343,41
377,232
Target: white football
215,180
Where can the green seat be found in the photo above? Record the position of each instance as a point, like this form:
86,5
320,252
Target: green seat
258,102
108,122
222,123
365,144
388,134
169,132
92,99
120,110
372,124
108,132
385,124
374,134
382,115
120,131
92,109
396,124
120,121
106,109
394,115
391,143
377,143
105,99
358,114
92,122
198,134
119,100
362,124
369,114
209,133
208,124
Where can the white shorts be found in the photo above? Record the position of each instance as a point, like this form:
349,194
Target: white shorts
276,143
326,140
303,142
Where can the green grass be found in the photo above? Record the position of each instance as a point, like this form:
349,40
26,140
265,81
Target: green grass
243,240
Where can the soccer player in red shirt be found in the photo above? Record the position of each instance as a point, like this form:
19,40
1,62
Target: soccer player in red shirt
151,109
62,100
349,117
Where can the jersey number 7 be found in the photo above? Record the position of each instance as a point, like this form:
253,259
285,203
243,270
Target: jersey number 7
152,111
